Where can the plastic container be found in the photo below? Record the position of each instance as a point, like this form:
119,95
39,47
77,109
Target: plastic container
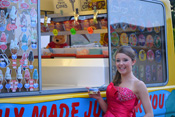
70,50
58,50
93,90
95,51
82,51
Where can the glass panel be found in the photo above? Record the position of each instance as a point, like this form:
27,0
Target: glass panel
140,24
18,46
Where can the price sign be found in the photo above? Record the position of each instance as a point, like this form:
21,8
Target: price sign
55,32
73,31
90,30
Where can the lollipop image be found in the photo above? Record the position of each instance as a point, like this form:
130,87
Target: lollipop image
8,78
19,77
27,78
31,59
1,80
35,77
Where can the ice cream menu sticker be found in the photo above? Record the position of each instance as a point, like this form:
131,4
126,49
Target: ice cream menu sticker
18,30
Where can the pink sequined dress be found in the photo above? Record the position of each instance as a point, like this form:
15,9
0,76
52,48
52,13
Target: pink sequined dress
121,102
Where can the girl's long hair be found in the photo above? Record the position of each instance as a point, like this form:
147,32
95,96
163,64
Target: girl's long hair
127,50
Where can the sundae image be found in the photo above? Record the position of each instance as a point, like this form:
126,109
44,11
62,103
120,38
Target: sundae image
13,15
35,75
34,39
14,48
23,21
8,78
1,80
33,17
19,78
24,61
31,59
3,21
27,79
3,41
24,42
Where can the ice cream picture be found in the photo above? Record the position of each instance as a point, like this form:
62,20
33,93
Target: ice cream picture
35,77
34,39
3,21
3,41
23,21
14,47
1,80
33,17
19,78
8,78
24,61
13,15
24,46
31,59
27,78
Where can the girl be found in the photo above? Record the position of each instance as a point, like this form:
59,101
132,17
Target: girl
124,92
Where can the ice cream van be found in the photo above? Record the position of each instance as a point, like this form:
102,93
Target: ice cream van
51,82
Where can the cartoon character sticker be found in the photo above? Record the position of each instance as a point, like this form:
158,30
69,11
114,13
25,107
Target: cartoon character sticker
142,55
133,39
158,56
148,73
124,23
141,25
141,71
157,27
142,40
33,17
23,21
149,26
3,21
154,77
124,39
133,25
157,41
150,55
149,41
135,70
114,39
159,73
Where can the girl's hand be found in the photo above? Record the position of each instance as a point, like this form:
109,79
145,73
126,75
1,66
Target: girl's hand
95,96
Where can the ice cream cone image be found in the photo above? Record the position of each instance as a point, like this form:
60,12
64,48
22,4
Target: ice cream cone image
8,78
14,48
31,59
1,80
27,76
35,76
19,78
13,15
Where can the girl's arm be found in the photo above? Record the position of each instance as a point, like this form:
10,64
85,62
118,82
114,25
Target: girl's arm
144,98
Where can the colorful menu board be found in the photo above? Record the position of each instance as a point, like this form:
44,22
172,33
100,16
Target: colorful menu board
18,46
140,24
